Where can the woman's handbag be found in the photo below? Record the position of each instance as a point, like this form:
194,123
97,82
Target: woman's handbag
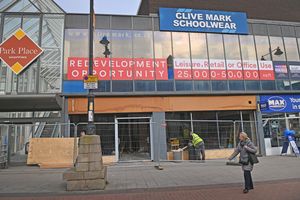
253,158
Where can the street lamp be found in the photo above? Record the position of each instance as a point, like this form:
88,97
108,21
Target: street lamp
91,128
277,51
105,42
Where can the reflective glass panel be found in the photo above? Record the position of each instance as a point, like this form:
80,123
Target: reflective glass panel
291,49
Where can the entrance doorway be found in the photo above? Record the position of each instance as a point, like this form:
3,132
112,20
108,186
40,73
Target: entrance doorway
133,137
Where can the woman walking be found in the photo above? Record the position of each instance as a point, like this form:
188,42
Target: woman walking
245,147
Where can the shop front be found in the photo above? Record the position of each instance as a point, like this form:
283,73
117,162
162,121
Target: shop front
280,112
146,128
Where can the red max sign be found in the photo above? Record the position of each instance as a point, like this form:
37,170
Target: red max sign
18,51
119,68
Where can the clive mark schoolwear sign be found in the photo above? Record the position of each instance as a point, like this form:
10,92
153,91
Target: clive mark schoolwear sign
191,20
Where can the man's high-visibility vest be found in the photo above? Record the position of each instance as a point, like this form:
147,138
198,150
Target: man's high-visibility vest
196,139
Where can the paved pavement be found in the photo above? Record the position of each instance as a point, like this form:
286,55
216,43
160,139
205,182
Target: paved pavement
278,190
213,177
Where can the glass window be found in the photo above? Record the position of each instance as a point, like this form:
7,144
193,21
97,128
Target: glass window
227,129
288,31
142,44
76,45
23,6
178,115
202,86
232,48
291,49
98,47
162,44
208,130
142,23
297,31
121,22
102,22
198,45
232,51
121,44
8,80
215,46
27,80
275,43
121,47
247,47
181,47
283,85
274,30
249,125
122,86
144,86
163,50
219,85
103,86
260,29
155,24
184,85
295,85
252,85
236,85
51,59
262,47
268,85
178,129
216,55
165,85
249,55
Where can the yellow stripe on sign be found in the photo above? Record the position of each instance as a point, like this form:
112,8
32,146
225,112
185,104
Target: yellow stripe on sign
17,68
19,34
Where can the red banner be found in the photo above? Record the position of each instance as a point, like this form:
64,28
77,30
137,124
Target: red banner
250,70
182,69
200,69
217,70
266,70
234,70
118,68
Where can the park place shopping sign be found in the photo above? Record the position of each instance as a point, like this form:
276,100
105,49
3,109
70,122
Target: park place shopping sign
18,51
190,20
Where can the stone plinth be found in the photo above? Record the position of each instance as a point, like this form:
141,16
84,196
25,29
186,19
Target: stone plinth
89,172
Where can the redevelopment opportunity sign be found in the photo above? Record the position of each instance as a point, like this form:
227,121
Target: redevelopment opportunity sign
181,19
18,51
119,68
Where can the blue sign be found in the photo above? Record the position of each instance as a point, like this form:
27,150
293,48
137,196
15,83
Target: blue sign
190,20
280,103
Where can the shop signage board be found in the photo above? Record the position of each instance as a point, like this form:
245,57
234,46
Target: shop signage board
90,82
281,70
119,68
280,103
182,69
18,51
294,71
191,20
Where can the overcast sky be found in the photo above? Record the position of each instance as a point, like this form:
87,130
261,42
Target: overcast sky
123,7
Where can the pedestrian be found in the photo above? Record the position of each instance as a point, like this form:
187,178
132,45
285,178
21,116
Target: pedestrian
245,147
198,144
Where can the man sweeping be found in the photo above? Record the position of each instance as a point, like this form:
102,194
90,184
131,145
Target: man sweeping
198,144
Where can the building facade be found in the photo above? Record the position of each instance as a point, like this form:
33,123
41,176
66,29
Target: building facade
156,84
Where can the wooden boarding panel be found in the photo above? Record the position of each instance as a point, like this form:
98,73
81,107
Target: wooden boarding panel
52,151
218,153
109,160
209,154
163,104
